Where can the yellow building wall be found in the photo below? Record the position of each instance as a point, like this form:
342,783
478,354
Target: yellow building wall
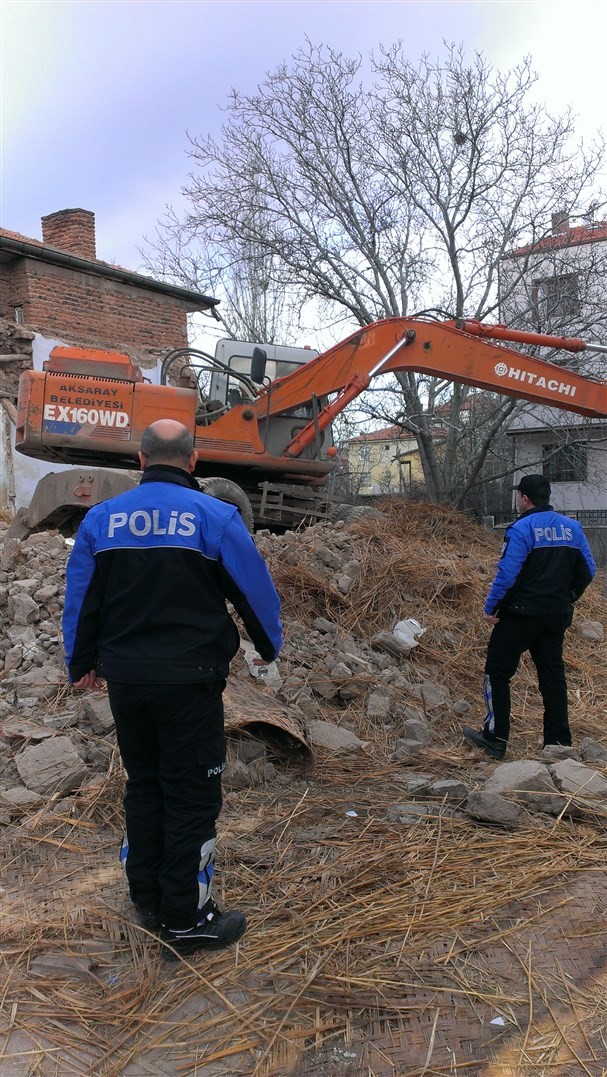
385,466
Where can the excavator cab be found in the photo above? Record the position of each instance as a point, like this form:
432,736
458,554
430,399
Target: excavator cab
239,359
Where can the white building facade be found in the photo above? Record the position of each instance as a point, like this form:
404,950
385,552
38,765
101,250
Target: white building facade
558,285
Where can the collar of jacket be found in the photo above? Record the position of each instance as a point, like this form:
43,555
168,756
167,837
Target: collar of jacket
167,473
544,508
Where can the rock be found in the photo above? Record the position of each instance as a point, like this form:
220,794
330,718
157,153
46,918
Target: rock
408,814
378,706
323,686
24,729
328,558
551,753
385,641
247,749
352,690
527,782
576,779
344,584
589,630
261,771
431,695
322,625
449,789
333,737
406,749
20,797
416,783
236,776
592,751
416,729
98,713
22,609
51,767
25,587
12,553
461,707
492,808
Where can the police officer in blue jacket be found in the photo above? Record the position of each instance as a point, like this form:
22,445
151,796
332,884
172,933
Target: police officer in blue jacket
145,609
546,565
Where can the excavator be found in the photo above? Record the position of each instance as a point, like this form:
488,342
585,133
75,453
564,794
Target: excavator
263,428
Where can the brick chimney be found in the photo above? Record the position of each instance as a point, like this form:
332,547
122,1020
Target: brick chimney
560,223
71,230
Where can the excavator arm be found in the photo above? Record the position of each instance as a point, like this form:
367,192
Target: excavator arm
459,351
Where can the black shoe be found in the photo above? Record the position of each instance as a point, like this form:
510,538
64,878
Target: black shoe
214,931
148,918
492,746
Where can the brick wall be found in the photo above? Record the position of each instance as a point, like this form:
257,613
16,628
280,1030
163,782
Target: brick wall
14,289
87,309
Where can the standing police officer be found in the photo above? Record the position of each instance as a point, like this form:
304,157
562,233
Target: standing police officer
145,609
546,564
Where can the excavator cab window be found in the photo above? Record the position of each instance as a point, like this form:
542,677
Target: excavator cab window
261,363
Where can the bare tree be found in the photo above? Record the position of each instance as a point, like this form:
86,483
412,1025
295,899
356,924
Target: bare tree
239,272
384,196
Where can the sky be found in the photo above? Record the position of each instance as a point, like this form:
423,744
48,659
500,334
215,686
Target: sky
97,95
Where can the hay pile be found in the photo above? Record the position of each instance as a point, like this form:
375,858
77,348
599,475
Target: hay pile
373,948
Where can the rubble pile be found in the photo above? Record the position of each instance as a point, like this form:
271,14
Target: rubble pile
383,653
380,860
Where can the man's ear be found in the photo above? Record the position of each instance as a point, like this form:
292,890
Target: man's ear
142,460
192,461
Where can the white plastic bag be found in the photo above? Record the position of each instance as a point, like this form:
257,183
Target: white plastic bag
408,632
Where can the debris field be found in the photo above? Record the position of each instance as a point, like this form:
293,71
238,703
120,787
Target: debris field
414,908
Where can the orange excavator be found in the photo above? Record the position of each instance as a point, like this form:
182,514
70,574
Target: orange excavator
263,435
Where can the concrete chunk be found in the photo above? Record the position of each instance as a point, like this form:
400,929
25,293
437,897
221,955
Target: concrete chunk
51,767
528,782
592,751
492,808
98,713
576,779
333,737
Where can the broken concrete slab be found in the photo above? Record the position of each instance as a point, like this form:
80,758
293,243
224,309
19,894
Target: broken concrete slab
589,630
415,729
592,751
528,782
333,737
490,807
98,713
20,797
378,706
575,779
408,814
24,729
54,766
448,789
552,753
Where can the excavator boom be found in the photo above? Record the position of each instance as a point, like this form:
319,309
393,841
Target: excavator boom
441,349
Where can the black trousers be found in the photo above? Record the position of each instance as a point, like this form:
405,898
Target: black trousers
543,637
172,743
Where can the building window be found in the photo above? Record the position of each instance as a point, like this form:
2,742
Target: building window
19,318
565,463
555,299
